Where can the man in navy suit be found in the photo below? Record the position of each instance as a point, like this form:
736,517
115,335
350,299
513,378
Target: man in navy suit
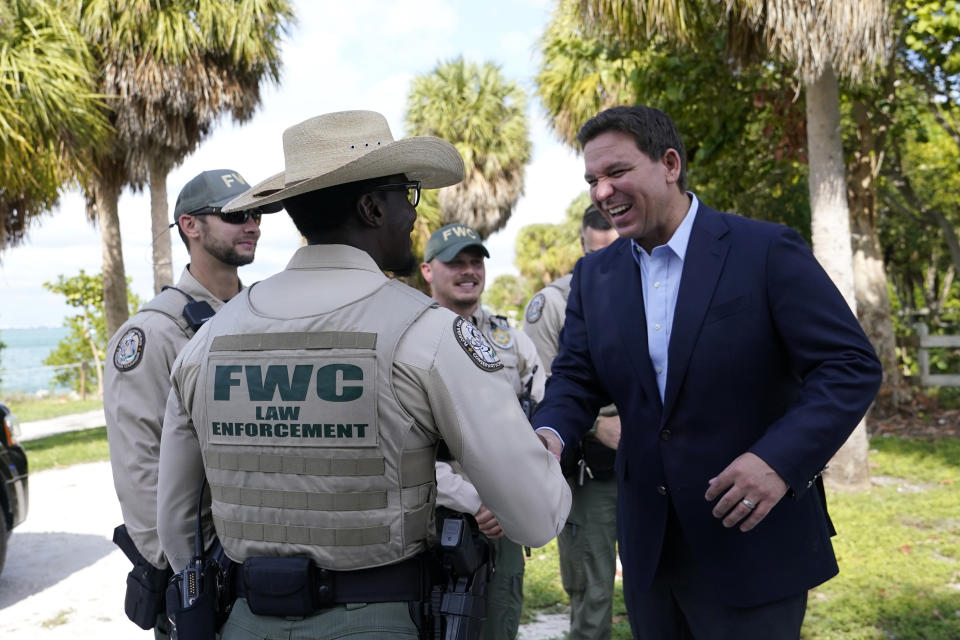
738,370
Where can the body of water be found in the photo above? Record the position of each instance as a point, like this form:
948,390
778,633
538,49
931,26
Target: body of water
21,361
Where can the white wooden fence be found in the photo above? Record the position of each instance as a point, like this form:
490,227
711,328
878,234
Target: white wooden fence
924,343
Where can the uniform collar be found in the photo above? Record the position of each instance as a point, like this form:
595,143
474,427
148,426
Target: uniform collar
192,286
332,256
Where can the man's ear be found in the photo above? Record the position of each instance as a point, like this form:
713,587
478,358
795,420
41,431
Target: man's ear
371,211
427,272
190,225
672,164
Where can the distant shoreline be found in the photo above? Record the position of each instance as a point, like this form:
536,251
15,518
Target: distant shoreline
21,360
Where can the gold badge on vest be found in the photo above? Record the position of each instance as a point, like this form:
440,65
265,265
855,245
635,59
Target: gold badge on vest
501,337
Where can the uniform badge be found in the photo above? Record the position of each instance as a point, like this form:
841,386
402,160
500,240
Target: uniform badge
129,350
501,337
535,308
476,345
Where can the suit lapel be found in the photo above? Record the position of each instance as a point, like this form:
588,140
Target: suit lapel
623,276
702,264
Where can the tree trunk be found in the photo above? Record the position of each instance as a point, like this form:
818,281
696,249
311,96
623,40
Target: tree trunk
830,225
159,211
115,305
949,236
97,363
870,276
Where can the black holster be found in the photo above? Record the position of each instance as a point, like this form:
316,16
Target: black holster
459,603
200,598
199,617
144,599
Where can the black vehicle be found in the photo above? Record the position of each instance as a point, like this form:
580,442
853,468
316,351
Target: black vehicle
14,497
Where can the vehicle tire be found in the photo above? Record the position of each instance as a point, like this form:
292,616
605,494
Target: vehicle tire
4,534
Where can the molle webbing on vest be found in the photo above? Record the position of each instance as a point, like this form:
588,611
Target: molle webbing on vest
412,468
292,341
414,528
324,537
297,465
303,500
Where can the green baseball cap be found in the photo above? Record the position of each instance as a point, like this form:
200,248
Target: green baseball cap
446,242
213,189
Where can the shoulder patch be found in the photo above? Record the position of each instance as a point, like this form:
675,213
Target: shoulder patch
535,308
476,345
129,350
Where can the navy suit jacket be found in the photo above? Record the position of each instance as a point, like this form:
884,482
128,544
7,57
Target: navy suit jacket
765,356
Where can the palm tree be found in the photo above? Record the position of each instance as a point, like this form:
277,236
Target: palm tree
484,115
579,77
819,38
170,69
50,115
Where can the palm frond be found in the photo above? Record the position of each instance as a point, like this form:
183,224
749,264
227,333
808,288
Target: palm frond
484,115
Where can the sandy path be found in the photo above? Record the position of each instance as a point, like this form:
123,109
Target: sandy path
64,578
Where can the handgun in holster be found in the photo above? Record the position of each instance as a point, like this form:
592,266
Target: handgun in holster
144,598
460,603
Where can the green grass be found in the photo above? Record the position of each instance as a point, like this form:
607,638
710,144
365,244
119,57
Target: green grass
898,548
29,408
65,449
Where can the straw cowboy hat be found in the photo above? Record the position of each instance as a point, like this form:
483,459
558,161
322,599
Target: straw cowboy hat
337,148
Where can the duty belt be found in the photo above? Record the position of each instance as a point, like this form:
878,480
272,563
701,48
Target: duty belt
405,581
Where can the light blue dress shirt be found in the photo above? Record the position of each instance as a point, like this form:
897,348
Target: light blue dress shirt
660,272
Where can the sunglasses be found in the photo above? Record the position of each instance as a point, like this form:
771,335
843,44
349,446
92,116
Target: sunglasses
412,189
234,217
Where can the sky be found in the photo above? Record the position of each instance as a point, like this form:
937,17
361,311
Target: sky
340,55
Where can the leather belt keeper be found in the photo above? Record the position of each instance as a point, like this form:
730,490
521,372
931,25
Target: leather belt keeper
405,581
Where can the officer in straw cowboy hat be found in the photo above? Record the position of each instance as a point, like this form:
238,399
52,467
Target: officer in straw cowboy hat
313,402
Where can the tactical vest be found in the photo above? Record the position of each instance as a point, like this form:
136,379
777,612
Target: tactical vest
170,303
306,448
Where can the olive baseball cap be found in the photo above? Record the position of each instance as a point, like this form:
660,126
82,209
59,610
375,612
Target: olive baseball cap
446,242
213,189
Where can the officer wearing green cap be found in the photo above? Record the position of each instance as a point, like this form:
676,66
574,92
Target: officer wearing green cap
454,267
142,351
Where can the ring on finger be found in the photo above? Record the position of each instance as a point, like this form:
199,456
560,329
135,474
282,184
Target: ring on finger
748,504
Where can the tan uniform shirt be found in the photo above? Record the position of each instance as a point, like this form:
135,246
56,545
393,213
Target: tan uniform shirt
521,365
543,318
136,384
436,380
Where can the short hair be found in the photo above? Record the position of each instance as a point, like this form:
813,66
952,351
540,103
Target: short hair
593,219
652,130
315,213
